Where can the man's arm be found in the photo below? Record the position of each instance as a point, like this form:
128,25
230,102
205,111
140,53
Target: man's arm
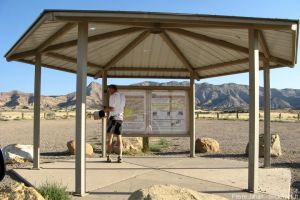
109,109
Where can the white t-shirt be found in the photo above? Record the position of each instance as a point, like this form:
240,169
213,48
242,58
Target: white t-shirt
117,101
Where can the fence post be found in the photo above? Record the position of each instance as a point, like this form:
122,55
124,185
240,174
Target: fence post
197,115
67,114
237,114
22,115
298,116
218,116
279,116
145,144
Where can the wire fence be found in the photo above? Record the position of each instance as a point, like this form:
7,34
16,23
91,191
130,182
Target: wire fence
212,115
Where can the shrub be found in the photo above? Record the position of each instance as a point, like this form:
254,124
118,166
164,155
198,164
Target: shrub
54,191
158,146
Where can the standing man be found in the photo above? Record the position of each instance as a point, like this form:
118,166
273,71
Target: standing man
115,120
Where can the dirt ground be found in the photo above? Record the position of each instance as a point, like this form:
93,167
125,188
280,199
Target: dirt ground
231,134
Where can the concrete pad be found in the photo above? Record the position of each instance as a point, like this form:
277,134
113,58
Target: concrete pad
154,162
123,189
116,181
234,173
98,174
275,181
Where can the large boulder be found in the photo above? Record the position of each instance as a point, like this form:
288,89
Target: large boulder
17,153
19,191
207,145
171,192
131,145
72,148
275,146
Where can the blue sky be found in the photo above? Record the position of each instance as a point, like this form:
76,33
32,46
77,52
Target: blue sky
17,15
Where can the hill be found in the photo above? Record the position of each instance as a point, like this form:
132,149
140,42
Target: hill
208,96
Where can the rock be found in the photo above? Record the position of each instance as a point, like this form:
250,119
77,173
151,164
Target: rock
18,153
275,146
207,145
14,159
19,191
171,192
131,145
88,148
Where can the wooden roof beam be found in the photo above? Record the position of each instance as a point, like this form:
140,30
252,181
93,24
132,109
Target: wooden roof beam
72,43
179,54
53,67
45,44
70,59
211,40
237,72
95,38
263,44
55,36
227,45
141,37
223,64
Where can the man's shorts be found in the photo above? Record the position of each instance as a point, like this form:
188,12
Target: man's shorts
114,126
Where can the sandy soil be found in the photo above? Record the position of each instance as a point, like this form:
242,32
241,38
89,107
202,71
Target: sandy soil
232,136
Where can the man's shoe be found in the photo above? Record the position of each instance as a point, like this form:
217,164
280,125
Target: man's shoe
108,159
119,159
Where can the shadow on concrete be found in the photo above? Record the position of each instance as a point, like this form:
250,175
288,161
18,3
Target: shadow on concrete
171,153
145,168
62,153
224,156
287,165
110,193
223,192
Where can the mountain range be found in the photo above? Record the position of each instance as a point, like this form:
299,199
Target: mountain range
208,96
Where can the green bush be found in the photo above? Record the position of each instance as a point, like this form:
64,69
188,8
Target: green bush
54,191
159,145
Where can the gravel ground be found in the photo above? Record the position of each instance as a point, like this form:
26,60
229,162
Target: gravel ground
232,136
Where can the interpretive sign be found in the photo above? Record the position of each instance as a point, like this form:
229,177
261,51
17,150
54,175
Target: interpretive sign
134,112
168,111
155,112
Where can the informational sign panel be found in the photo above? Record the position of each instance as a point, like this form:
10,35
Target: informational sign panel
155,112
134,112
168,111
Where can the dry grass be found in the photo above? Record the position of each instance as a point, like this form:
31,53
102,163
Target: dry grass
283,116
275,116
28,115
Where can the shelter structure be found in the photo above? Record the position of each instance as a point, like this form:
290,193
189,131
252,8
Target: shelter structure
109,44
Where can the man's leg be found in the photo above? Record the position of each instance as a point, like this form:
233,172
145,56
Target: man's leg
120,146
109,139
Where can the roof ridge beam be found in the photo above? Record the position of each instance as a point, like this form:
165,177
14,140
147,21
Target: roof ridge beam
211,40
165,37
226,44
141,37
72,43
95,38
70,59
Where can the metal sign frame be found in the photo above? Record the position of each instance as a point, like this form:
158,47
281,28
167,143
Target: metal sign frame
148,90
